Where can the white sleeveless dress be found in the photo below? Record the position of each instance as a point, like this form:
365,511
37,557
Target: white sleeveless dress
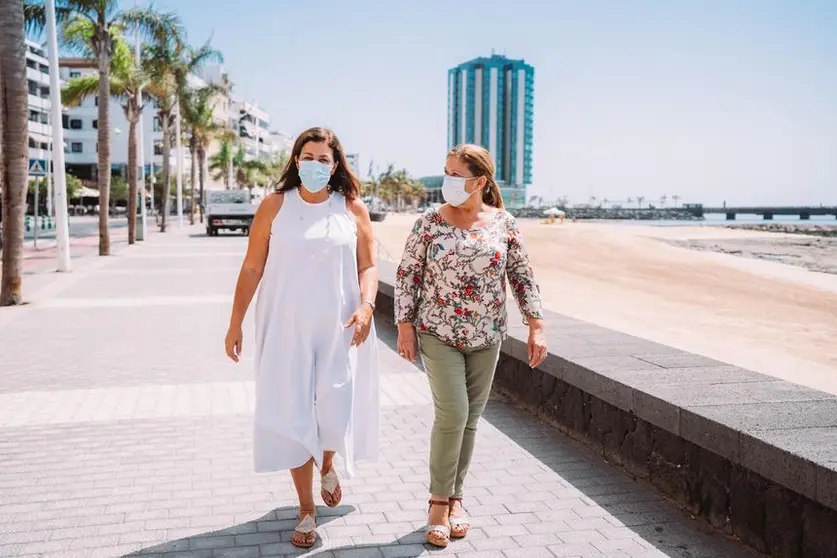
314,392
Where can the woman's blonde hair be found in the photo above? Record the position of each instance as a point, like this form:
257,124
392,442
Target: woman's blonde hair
480,162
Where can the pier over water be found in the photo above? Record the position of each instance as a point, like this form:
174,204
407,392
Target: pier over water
767,212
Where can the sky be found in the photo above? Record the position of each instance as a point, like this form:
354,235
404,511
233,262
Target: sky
710,100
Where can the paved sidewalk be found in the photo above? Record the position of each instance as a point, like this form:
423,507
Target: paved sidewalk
123,429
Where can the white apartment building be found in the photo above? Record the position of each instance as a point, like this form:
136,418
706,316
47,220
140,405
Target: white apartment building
81,131
40,131
247,119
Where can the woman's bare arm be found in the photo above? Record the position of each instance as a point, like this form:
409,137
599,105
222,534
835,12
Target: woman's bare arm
367,272
253,266
366,269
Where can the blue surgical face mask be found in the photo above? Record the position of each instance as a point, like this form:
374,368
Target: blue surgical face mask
314,175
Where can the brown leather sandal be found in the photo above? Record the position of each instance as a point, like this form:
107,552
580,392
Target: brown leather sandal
437,535
459,524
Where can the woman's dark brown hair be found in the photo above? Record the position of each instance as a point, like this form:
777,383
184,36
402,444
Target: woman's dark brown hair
480,162
343,180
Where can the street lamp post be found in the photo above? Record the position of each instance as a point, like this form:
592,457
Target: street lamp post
62,229
48,162
37,201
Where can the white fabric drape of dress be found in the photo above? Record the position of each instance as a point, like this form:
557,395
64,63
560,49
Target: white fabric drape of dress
314,392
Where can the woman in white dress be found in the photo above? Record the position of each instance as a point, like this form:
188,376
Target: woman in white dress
311,248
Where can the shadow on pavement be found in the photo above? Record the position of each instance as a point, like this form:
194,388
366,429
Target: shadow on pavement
408,546
269,535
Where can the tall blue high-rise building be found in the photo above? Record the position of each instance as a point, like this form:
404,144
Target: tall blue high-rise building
491,103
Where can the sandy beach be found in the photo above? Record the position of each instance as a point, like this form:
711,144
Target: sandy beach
690,288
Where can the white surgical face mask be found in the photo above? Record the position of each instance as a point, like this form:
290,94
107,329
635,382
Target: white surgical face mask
453,190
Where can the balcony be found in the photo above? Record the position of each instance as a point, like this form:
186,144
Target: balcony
37,76
37,128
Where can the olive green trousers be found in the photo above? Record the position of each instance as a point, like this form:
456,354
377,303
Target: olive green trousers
460,382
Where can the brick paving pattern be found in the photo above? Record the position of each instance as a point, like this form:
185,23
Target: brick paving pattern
124,431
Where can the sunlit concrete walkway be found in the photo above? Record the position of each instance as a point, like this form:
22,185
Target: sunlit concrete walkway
123,429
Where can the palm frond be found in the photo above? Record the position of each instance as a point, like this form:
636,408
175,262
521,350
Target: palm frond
199,57
77,34
78,89
34,13
153,25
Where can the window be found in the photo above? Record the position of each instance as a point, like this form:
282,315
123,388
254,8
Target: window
76,147
31,64
96,100
32,143
75,124
75,74
158,124
43,68
33,87
65,121
158,148
95,124
44,146
45,92
34,116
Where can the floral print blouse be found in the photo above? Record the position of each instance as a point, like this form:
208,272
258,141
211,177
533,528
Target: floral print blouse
451,282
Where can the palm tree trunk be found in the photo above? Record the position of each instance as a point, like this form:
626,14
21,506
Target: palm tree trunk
166,170
14,153
193,178
202,156
132,175
104,147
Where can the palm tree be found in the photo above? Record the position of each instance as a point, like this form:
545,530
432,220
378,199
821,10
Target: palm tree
222,163
171,62
398,187
663,200
127,79
197,110
676,199
639,200
107,22
14,154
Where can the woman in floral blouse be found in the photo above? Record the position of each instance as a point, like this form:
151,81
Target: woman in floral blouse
450,305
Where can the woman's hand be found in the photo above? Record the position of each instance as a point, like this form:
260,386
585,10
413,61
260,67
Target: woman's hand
537,343
362,320
232,343
407,344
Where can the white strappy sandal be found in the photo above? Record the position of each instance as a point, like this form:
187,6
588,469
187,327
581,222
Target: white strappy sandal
329,483
442,537
307,527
